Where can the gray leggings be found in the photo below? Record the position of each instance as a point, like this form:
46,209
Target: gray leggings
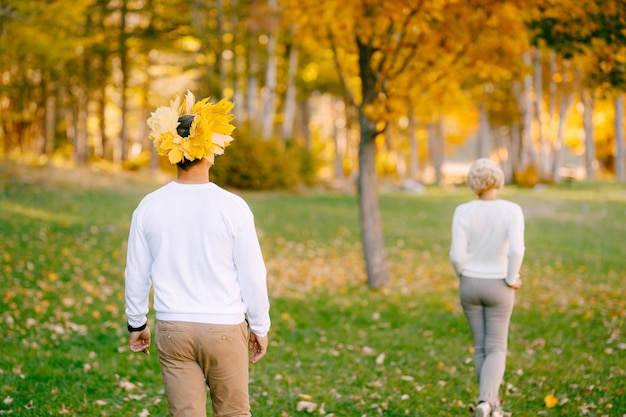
488,305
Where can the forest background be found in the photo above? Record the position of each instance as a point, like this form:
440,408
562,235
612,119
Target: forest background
528,82
334,91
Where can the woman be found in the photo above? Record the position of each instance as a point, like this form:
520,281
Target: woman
487,252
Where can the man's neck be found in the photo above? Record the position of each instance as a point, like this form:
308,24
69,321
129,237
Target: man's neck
196,174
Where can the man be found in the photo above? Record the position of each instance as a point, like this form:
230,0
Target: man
196,245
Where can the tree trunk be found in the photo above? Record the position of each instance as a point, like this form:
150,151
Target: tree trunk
239,72
51,115
252,100
552,107
544,163
123,52
222,64
252,85
371,222
289,112
558,144
78,125
588,99
482,142
620,152
303,123
524,97
100,95
339,137
413,145
502,140
516,150
269,90
552,86
564,106
436,146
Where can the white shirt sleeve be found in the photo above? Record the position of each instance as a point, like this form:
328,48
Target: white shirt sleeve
516,251
137,275
252,276
458,249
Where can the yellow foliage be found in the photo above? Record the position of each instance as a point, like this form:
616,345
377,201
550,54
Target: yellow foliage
528,177
412,50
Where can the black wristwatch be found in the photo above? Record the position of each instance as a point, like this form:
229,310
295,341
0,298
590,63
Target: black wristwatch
137,329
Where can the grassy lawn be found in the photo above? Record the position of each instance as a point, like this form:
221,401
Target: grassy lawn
404,350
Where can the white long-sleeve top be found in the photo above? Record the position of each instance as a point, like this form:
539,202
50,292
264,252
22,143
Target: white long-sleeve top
197,245
488,240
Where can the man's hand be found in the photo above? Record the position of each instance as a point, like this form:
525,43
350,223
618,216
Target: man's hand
140,341
258,346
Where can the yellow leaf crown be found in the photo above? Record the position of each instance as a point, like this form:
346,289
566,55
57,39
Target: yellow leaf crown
209,133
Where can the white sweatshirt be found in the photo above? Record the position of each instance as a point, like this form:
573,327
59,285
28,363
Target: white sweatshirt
488,240
197,245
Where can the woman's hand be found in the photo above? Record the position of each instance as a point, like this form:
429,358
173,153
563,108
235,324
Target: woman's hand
516,285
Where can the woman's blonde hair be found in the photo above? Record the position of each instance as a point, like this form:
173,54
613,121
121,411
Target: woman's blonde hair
485,174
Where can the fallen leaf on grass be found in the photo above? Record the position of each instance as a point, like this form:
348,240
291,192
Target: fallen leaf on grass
127,385
17,369
306,405
375,384
550,401
368,351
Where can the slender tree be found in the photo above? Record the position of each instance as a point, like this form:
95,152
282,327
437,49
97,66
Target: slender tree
620,146
380,50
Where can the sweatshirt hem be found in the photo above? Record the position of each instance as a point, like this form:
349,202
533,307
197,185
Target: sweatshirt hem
202,318
478,276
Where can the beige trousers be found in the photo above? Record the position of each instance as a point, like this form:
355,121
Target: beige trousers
197,356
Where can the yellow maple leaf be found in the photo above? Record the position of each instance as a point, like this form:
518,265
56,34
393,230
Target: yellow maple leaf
550,400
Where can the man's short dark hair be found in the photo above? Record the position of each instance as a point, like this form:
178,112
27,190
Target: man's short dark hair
184,126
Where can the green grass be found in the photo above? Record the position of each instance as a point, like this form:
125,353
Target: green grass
402,350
